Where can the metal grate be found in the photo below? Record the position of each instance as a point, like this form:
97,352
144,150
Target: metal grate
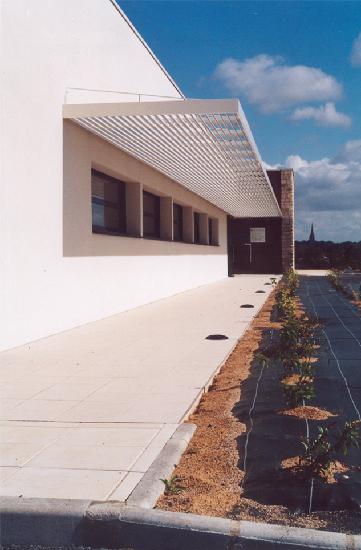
210,153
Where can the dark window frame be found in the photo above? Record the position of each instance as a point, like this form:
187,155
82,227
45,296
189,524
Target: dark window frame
210,231
119,205
213,235
178,222
153,215
197,227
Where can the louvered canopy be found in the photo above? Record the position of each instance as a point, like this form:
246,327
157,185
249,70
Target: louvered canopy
204,145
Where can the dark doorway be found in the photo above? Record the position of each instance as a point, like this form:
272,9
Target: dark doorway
255,245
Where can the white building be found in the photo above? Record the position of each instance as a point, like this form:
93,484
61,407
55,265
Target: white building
115,190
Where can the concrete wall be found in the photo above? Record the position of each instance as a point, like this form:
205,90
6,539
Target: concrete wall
49,49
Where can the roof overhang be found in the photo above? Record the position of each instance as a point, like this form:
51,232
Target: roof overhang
204,145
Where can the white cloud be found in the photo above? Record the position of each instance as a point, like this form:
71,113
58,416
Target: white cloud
351,151
328,193
272,85
356,51
325,115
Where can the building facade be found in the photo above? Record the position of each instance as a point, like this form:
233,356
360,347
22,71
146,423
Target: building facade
116,190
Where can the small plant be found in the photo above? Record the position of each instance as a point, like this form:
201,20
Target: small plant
305,368
263,359
334,279
317,459
291,281
298,392
356,295
349,437
296,343
172,486
321,452
285,304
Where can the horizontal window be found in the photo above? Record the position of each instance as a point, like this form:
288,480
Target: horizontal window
177,222
117,210
151,215
108,204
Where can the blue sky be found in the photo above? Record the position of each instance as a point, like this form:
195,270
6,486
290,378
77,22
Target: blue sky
296,67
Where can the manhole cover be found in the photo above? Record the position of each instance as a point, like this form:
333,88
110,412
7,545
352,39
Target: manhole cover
217,337
247,305
260,292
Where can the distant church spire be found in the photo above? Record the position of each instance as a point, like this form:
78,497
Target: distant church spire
311,238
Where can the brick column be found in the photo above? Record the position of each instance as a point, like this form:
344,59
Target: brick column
288,216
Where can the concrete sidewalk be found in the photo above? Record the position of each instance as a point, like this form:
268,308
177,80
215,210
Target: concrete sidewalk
84,413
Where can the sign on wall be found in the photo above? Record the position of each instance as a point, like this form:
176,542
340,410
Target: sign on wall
257,235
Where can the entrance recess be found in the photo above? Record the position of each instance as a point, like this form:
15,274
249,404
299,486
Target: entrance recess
255,245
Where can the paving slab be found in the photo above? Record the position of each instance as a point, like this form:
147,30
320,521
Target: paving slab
86,412
62,483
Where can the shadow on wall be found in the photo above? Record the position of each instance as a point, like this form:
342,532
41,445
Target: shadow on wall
106,245
83,152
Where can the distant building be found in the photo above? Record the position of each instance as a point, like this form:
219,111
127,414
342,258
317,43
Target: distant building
311,238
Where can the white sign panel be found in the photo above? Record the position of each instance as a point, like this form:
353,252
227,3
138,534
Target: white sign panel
257,235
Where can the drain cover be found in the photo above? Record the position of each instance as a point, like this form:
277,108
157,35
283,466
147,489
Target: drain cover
217,337
260,292
268,283
247,305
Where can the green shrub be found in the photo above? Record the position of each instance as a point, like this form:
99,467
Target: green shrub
321,452
285,304
302,390
291,281
171,485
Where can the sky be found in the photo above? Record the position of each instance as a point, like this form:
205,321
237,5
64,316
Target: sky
296,68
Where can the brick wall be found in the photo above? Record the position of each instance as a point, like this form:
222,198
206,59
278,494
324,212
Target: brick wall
288,217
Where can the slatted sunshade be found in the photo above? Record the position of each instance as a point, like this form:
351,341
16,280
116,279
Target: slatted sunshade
205,145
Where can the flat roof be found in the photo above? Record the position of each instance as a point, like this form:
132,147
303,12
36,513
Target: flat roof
205,145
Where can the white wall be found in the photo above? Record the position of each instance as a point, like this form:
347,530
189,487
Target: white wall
48,48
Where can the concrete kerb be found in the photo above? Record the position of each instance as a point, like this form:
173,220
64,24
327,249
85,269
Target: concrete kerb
150,486
118,525
40,521
142,529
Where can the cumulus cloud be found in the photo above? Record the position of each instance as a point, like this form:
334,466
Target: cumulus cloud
325,115
270,84
328,193
350,152
356,52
